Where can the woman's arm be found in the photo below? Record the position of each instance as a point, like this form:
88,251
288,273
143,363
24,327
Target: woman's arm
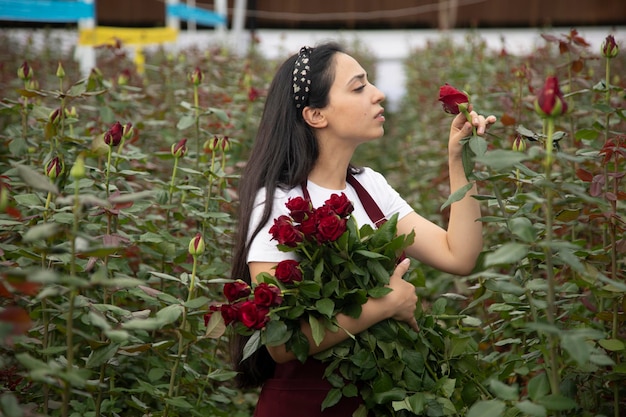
456,249
399,304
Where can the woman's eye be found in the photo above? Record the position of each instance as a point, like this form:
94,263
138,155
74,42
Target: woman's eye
360,88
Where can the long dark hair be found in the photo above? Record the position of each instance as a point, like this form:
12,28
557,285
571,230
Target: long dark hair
284,152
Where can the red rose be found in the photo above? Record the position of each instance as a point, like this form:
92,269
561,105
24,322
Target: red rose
230,312
450,97
288,271
340,205
299,208
236,290
329,225
550,101
252,315
266,295
113,136
285,232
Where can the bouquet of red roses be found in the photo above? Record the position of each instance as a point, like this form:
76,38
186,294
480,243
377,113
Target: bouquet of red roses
339,266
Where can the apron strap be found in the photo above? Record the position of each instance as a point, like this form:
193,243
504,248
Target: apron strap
371,208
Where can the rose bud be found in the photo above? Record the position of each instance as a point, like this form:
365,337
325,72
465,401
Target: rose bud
54,168
180,148
451,98
225,144
236,290
609,47
211,144
78,169
196,245
128,131
24,72
550,101
123,77
113,136
266,295
60,71
253,94
196,76
519,144
288,271
71,112
55,117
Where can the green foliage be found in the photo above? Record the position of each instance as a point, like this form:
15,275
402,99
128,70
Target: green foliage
102,310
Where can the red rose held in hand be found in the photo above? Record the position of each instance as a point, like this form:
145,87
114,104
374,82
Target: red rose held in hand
266,295
288,271
299,208
234,291
450,97
230,312
285,232
340,204
252,315
329,225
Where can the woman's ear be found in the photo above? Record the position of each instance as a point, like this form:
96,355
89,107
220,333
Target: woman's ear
314,117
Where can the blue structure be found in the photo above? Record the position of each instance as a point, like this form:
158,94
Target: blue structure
52,11
71,11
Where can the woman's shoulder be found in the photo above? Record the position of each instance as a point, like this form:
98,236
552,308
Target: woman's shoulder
369,175
280,195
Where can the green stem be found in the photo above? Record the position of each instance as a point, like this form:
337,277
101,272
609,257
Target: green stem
108,170
196,103
551,298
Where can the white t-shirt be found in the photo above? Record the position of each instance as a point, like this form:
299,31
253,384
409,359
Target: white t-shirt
263,249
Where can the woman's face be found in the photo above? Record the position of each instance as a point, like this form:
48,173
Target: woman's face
353,111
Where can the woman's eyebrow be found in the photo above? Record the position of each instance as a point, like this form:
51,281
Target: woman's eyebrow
359,77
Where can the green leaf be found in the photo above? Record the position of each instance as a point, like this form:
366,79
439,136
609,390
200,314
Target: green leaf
503,391
36,180
538,386
478,145
523,228
577,347
186,122
457,195
379,292
325,306
531,409
332,398
276,333
557,402
221,114
500,159
506,254
394,394
41,232
101,355
28,200
169,314
317,329
489,408
589,134
9,405
252,345
614,345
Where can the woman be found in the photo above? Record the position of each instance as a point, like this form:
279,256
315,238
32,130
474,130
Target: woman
320,107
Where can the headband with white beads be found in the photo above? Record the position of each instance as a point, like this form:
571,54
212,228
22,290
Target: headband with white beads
301,77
